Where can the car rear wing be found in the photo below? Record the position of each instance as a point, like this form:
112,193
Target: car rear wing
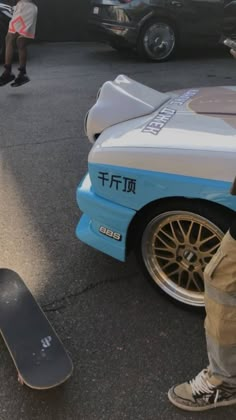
121,100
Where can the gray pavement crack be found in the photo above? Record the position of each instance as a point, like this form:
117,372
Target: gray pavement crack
64,301
12,146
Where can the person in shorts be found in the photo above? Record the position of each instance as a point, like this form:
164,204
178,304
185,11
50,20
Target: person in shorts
21,30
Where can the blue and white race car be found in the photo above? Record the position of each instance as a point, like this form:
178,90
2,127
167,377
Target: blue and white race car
159,178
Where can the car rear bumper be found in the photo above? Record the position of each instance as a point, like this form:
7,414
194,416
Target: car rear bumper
108,32
113,22
103,225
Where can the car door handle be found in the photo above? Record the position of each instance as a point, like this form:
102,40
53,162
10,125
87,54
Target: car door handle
176,3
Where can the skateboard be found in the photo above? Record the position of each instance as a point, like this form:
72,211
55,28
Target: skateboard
37,352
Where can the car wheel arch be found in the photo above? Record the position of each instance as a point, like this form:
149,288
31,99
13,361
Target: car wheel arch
173,242
142,213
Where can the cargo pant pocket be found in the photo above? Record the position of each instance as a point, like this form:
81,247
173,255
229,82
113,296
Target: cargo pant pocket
214,264
221,271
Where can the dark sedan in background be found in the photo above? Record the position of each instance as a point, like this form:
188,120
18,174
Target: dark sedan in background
5,16
157,27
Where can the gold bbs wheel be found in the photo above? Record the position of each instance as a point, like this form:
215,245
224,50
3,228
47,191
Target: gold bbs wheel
175,247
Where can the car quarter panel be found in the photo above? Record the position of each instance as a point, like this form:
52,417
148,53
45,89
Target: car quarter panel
114,196
135,188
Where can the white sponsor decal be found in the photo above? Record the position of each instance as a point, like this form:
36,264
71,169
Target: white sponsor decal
110,233
165,115
46,342
159,121
180,100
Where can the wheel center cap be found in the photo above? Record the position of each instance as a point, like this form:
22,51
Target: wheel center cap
189,256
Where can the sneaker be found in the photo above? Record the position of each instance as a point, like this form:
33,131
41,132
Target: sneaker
202,393
20,80
6,78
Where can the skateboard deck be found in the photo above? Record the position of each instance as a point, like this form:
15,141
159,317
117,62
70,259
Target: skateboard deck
38,354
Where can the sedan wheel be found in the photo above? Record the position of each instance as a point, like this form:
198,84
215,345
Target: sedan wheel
175,246
157,41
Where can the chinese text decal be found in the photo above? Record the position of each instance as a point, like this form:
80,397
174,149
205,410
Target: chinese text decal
117,182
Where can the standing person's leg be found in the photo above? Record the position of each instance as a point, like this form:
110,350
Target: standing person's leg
220,300
7,75
22,77
10,42
22,51
216,385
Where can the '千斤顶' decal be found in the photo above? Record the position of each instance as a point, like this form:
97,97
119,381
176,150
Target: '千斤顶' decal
117,182
164,116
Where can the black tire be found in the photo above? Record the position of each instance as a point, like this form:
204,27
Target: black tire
119,46
3,32
157,40
173,261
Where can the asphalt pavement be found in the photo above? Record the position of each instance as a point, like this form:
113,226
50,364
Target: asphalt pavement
128,342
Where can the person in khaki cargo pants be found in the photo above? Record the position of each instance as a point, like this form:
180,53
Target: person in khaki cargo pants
215,386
